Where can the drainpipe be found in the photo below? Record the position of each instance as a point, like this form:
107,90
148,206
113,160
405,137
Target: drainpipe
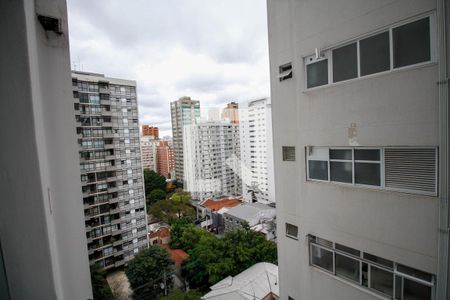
442,282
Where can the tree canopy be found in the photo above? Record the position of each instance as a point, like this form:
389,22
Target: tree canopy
179,295
185,235
211,258
153,181
148,271
172,209
100,287
156,195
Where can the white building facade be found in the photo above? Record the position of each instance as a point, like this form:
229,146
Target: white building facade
255,130
211,152
360,126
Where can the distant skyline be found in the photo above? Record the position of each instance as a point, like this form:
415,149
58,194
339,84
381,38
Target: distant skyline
215,51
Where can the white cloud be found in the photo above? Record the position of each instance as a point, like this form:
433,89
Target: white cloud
212,50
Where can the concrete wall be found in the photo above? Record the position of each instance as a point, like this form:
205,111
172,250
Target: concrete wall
397,108
41,221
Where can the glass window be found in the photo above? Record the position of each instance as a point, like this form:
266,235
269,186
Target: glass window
367,173
374,54
347,249
321,258
317,73
345,154
347,267
378,260
318,169
381,280
414,272
411,43
345,64
341,171
367,154
413,290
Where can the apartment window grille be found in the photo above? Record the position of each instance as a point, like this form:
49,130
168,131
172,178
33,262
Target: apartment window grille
291,231
400,45
402,169
288,153
285,72
369,271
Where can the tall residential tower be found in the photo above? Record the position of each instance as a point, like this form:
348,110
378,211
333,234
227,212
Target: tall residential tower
111,170
360,126
184,111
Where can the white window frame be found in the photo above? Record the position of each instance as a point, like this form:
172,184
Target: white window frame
327,52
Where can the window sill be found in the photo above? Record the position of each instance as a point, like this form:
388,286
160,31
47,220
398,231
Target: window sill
374,188
366,77
292,237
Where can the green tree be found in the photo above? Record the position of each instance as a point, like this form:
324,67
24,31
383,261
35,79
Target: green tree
156,195
100,287
212,259
153,181
172,209
148,271
179,295
176,231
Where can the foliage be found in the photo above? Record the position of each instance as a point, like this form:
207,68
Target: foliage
213,259
100,287
156,195
185,235
179,295
172,209
147,271
153,181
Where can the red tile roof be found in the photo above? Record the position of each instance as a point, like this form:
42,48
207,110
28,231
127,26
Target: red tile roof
161,233
177,255
216,205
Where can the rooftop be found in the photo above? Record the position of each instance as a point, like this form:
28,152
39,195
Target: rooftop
177,255
252,212
216,205
257,282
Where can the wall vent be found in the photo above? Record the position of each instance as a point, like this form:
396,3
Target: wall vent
50,24
411,169
288,153
285,71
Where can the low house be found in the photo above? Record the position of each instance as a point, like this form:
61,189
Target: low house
260,281
259,217
211,210
159,233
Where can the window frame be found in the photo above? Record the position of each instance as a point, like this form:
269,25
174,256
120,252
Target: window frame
327,52
361,260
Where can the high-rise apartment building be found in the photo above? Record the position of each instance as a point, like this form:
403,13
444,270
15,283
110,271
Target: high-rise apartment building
148,130
184,111
149,152
165,162
255,131
360,128
111,170
231,112
211,150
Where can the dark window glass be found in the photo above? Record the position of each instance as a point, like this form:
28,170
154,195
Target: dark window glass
341,171
415,273
365,274
367,173
317,73
381,280
345,63
322,258
378,260
347,249
374,54
413,290
318,169
411,43
398,287
341,154
367,154
347,267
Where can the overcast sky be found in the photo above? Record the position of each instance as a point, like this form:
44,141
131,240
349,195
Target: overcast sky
214,51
